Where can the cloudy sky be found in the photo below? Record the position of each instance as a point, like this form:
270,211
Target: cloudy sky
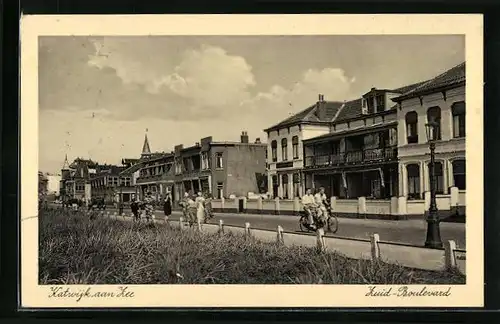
97,96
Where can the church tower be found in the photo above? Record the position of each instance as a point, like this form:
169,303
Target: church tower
146,150
65,171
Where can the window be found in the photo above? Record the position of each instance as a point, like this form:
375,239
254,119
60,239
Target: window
296,184
438,172
178,166
274,151
218,160
284,149
370,104
393,137
295,147
458,111
412,127
204,160
220,190
413,181
380,99
459,174
434,116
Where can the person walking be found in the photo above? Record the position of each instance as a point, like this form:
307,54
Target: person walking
200,208
148,207
134,206
167,207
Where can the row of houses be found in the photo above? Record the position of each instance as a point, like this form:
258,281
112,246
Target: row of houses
374,146
221,168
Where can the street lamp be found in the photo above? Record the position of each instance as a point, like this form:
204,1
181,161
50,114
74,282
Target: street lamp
433,233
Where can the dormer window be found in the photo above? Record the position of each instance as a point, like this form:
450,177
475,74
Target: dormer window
364,106
380,100
370,105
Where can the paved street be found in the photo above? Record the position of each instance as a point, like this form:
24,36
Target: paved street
409,232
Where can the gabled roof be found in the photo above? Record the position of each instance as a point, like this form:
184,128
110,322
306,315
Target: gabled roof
352,109
450,78
132,168
310,115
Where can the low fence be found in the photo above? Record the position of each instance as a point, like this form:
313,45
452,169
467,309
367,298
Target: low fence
448,258
396,208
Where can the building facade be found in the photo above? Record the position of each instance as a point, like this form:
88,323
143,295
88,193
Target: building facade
220,168
440,100
75,179
285,153
358,157
109,184
156,175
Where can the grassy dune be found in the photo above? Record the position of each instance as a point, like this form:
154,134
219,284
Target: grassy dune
77,250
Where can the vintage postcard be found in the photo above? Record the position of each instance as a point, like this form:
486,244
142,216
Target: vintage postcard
252,161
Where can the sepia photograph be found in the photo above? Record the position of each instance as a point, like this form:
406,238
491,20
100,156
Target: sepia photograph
238,160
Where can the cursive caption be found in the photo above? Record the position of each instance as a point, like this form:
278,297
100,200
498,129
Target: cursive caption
406,291
79,294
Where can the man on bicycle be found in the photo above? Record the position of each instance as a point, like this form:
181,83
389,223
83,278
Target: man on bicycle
321,201
309,205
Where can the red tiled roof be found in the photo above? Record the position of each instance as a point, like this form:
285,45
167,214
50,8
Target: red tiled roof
451,77
310,114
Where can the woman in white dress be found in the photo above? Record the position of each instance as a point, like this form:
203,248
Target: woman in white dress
200,208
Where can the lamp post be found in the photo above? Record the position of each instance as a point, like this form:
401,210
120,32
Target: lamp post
433,232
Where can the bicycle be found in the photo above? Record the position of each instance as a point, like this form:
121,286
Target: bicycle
331,226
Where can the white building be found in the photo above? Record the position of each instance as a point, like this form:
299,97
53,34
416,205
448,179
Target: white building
284,146
441,100
53,184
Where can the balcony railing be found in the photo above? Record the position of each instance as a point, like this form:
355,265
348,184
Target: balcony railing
352,157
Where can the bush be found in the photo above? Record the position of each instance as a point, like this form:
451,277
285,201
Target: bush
75,249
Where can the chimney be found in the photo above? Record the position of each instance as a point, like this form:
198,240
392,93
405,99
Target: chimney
257,140
321,109
244,137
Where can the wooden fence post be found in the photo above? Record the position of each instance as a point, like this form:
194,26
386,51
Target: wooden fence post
374,239
221,226
320,233
247,230
280,235
449,255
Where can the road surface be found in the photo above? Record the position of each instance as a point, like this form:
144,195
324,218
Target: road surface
408,231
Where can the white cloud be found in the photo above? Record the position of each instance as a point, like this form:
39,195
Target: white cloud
279,103
208,93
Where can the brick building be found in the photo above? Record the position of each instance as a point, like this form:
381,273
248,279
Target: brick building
220,168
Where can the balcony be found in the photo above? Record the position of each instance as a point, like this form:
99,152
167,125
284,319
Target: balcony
365,156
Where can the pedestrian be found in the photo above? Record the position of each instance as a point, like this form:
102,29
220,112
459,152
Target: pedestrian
134,206
148,207
167,207
200,208
120,208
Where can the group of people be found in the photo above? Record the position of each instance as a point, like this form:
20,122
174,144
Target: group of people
146,207
315,205
197,208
